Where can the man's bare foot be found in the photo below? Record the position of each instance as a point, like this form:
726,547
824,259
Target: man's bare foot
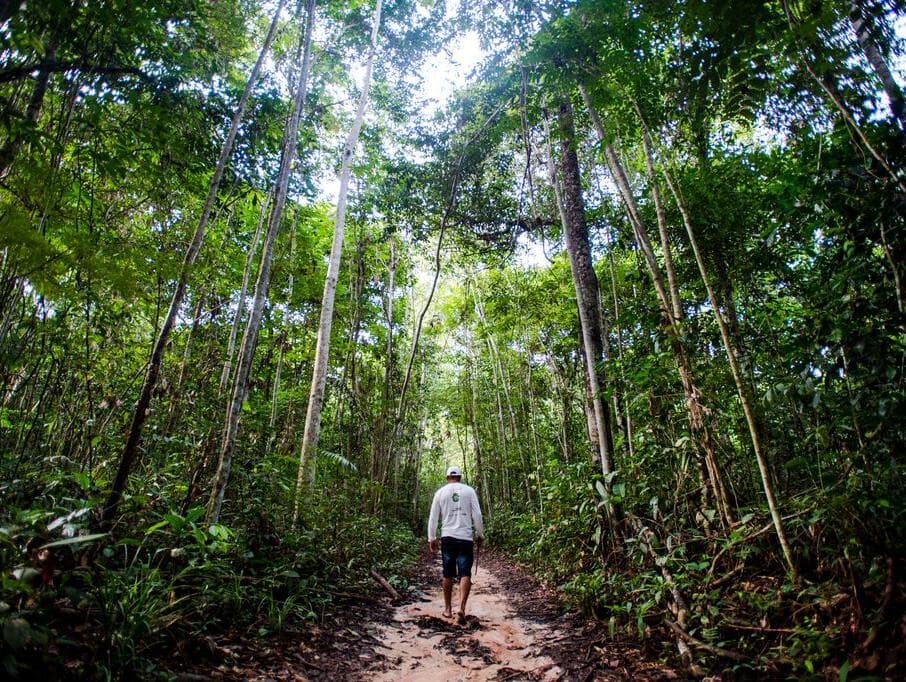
448,614
461,618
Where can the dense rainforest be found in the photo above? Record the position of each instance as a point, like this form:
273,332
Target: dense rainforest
641,276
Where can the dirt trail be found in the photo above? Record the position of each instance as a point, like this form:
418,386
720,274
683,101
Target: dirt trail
516,630
494,644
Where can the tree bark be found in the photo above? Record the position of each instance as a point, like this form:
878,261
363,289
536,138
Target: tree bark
575,229
308,451
250,337
130,451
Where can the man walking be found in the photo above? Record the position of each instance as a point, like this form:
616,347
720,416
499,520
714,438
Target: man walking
456,507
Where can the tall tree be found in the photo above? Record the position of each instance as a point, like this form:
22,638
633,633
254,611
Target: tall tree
140,413
253,324
575,230
308,451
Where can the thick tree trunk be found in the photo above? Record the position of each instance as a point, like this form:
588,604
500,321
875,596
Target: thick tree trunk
308,452
572,212
130,450
250,337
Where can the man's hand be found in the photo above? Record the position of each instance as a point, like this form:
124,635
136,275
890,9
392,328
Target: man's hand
434,545
479,542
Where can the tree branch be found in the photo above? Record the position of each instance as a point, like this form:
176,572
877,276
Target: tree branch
52,66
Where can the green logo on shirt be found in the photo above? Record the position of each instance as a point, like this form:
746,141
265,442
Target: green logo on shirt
456,497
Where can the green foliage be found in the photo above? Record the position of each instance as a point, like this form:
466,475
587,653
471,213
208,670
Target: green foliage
181,579
769,125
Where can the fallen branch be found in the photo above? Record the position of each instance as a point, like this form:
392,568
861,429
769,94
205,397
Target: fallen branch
756,628
382,581
309,664
726,577
698,644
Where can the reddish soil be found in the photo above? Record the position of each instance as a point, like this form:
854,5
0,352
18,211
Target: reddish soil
516,630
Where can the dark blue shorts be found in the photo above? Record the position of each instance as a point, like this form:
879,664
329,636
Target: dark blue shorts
457,556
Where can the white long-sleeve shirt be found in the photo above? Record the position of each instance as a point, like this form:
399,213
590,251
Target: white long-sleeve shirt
456,507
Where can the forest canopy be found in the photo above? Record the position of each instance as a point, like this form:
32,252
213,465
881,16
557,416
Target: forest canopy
641,276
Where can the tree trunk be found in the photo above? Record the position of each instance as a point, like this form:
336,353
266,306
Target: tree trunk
308,452
671,315
861,20
451,201
130,451
742,388
672,286
619,328
240,305
250,337
176,393
272,437
575,230
388,451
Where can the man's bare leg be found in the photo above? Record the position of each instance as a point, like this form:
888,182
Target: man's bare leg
465,586
448,597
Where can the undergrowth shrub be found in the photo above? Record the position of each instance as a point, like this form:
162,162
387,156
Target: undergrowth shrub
165,582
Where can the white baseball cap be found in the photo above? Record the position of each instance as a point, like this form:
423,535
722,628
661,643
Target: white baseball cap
454,471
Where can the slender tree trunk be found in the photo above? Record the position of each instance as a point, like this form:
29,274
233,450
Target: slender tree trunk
130,450
416,336
387,451
250,337
742,388
536,448
701,419
282,341
672,286
672,316
494,353
243,292
862,22
828,84
308,452
176,393
619,328
481,475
